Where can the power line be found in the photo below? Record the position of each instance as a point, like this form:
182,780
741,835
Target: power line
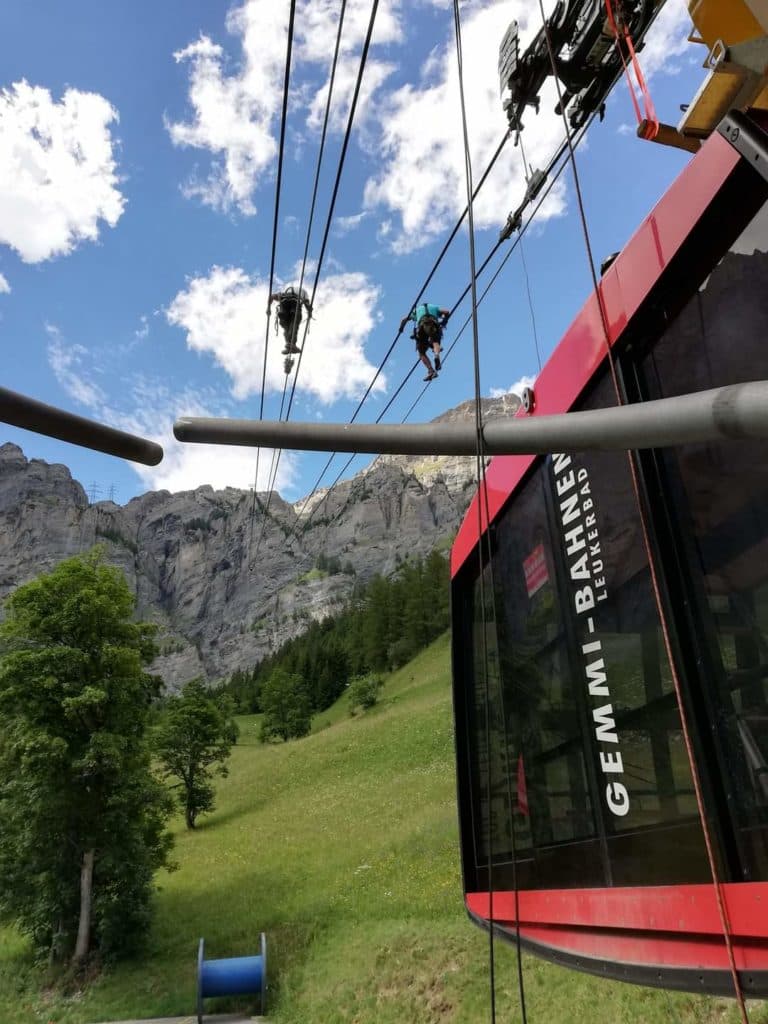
331,80
518,241
545,176
540,197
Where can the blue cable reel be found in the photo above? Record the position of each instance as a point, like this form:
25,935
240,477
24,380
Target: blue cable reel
234,976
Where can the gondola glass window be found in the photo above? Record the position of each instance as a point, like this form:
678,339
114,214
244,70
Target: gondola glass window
718,500
587,757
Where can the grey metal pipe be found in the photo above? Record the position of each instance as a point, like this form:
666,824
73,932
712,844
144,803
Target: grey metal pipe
21,411
735,411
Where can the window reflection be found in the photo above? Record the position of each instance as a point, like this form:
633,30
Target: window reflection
722,518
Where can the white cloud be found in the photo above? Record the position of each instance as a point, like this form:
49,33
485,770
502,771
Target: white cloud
413,132
525,381
319,22
186,466
344,225
666,41
69,365
5,288
153,409
58,175
233,112
224,314
420,148
419,144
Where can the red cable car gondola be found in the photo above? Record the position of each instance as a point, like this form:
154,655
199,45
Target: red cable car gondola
580,828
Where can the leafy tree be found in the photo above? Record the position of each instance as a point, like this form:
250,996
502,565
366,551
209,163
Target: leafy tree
364,692
286,707
194,740
83,818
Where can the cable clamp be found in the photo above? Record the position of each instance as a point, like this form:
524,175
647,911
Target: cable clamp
515,219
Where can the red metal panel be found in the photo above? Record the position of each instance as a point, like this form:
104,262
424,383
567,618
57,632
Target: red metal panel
669,908
675,925
624,287
663,951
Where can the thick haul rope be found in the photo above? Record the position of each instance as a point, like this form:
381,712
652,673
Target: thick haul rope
276,455
483,496
722,909
551,182
278,182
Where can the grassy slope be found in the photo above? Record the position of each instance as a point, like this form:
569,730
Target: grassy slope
342,847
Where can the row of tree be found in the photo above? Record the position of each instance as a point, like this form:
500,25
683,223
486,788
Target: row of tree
384,625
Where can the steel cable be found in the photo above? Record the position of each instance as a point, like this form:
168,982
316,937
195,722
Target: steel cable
329,218
518,241
722,909
278,184
275,455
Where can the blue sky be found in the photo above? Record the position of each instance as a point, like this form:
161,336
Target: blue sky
137,173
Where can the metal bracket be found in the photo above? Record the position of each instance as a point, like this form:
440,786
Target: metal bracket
747,138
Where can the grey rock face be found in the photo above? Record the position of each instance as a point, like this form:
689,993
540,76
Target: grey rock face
223,593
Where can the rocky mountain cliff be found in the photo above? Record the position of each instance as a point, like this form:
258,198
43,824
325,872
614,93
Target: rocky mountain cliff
225,582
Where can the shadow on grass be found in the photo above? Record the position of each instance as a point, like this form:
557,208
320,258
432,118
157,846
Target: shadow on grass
217,818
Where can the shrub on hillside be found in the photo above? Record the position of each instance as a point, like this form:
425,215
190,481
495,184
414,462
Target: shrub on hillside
364,692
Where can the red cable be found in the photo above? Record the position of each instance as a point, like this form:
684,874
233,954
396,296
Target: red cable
650,124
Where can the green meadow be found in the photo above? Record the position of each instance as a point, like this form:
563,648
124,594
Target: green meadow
342,847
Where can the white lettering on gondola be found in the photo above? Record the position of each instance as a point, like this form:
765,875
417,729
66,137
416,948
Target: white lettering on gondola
586,569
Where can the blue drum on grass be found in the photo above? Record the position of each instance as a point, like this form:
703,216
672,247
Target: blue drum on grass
234,976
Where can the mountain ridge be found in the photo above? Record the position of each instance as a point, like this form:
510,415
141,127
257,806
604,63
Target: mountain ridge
191,559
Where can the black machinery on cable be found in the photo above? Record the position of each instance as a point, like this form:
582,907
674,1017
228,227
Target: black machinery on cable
587,60
588,57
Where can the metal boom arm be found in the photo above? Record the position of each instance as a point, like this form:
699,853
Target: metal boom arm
737,411
21,411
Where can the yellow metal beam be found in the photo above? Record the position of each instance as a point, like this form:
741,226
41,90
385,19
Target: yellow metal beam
668,135
732,21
